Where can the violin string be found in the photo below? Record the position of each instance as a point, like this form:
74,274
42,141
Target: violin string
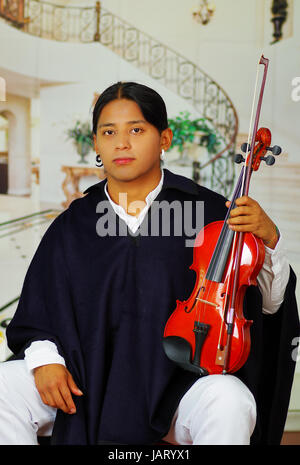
231,262
200,306
200,311
227,288
233,248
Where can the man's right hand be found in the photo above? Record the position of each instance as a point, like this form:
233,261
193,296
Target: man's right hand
55,385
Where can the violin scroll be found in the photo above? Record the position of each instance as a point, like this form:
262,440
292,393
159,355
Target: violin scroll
263,145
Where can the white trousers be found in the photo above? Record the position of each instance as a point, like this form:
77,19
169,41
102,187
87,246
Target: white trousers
217,409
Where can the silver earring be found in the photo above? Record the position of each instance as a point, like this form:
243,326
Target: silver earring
162,155
98,161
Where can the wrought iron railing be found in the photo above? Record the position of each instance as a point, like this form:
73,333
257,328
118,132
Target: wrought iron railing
173,70
13,11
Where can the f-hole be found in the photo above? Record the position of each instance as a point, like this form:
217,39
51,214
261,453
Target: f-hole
186,307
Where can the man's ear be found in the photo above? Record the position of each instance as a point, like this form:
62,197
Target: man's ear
166,138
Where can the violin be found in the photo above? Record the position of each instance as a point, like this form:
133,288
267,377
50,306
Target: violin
208,333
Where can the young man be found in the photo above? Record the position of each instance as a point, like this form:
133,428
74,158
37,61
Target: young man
97,296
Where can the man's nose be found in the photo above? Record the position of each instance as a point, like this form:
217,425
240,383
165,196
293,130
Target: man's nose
122,141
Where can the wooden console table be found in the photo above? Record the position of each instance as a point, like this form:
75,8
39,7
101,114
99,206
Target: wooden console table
73,175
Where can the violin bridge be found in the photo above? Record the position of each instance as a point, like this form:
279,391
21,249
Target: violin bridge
207,302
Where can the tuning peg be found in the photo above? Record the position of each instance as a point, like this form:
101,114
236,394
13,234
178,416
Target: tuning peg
270,160
238,158
276,150
245,147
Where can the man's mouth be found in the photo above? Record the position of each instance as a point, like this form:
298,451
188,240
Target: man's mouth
123,161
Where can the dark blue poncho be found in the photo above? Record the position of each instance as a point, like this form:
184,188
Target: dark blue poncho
104,301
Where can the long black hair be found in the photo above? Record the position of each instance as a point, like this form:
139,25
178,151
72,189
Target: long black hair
149,101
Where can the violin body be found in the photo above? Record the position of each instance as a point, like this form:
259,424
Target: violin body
196,333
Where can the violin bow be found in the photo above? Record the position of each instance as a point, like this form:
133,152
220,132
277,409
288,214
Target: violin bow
239,236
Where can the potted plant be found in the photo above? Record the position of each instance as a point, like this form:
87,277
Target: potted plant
81,134
186,131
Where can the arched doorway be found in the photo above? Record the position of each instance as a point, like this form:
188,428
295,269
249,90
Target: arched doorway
16,130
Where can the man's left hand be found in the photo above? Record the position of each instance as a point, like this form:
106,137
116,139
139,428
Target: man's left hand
248,216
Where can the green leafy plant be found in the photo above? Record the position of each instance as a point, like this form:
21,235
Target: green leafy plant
81,133
185,129
82,136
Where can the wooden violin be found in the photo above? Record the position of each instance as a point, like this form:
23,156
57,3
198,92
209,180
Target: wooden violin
208,333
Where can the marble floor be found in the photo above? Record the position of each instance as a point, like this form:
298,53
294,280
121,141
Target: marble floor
24,220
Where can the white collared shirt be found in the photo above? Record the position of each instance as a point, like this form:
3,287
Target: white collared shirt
134,222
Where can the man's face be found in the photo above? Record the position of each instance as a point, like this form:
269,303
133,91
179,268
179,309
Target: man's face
123,133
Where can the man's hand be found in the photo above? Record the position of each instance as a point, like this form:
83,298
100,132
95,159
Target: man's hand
55,385
248,216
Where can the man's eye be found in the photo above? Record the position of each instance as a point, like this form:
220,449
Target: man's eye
137,130
110,131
